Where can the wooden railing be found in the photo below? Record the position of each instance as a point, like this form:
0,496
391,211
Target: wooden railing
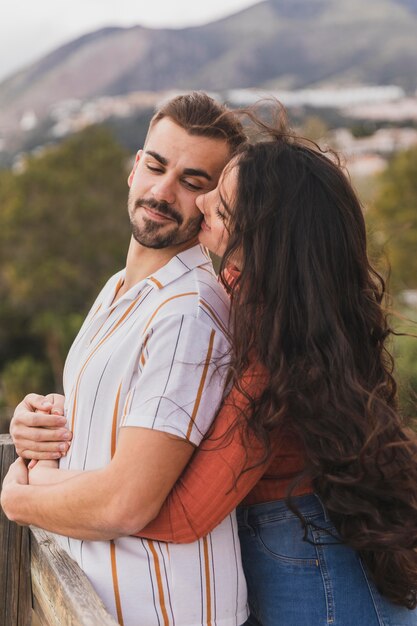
40,585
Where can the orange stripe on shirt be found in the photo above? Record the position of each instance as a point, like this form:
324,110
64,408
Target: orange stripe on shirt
180,295
109,334
203,267
97,310
208,584
116,291
159,582
214,315
114,424
201,385
205,251
119,284
116,583
156,282
142,354
95,334
126,408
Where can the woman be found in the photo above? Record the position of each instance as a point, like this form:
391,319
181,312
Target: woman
329,532
310,435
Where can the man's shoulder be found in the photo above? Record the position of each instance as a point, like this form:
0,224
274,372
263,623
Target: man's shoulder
197,293
189,286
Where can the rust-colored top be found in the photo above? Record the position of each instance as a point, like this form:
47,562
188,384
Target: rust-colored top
212,484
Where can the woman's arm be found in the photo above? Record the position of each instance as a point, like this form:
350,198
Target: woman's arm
212,484
48,473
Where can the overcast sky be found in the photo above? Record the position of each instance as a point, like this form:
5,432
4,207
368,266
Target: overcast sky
29,29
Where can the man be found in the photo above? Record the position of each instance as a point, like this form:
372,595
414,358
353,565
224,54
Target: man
142,382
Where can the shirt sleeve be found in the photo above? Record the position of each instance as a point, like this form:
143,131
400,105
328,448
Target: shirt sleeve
181,377
213,483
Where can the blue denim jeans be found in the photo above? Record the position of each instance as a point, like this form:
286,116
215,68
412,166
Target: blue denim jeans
313,582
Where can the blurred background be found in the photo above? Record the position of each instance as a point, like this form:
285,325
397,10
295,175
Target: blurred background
79,82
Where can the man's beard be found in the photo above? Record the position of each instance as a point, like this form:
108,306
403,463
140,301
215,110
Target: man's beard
149,234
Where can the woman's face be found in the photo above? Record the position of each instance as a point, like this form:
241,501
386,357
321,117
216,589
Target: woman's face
215,207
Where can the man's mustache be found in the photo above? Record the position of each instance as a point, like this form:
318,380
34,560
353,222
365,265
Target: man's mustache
162,207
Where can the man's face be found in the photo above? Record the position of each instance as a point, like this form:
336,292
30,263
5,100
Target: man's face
171,171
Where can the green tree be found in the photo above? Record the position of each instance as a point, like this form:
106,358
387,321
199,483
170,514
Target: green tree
405,354
22,376
314,128
63,232
406,368
393,218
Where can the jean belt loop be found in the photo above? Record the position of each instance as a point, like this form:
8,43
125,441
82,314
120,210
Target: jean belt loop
246,522
325,514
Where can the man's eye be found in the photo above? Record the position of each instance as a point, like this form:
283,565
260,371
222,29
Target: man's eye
192,186
154,168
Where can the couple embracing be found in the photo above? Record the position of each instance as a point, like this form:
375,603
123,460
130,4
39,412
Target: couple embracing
229,450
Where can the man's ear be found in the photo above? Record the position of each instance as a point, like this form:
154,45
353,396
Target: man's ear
132,173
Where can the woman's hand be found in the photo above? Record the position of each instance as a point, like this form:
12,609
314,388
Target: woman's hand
43,472
17,475
38,427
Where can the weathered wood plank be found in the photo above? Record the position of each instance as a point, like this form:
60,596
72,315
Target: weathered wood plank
15,588
25,583
62,594
35,619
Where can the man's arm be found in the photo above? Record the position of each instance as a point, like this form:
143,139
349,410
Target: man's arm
107,503
181,385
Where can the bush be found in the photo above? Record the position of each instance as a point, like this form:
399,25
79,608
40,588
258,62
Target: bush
22,376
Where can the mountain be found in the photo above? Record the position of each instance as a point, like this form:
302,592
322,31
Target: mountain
273,44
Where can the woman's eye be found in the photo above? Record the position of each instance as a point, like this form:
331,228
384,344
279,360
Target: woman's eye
219,213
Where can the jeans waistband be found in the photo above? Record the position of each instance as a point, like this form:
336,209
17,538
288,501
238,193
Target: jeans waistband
308,505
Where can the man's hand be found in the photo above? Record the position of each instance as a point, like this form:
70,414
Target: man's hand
38,427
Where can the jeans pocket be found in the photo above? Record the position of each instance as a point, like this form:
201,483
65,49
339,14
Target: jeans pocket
284,540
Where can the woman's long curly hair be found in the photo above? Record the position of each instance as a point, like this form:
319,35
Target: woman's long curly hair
308,305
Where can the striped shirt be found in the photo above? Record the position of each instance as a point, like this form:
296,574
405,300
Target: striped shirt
151,359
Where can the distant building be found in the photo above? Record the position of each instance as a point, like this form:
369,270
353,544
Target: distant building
29,121
398,111
330,97
366,165
384,141
409,297
73,115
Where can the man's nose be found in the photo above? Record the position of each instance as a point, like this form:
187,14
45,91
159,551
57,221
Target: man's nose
200,202
164,189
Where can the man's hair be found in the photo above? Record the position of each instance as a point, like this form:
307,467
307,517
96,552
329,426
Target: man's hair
201,115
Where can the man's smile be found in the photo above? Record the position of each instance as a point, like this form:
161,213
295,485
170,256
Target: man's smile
157,216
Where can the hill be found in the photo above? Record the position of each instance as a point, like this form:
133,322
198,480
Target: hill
276,43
